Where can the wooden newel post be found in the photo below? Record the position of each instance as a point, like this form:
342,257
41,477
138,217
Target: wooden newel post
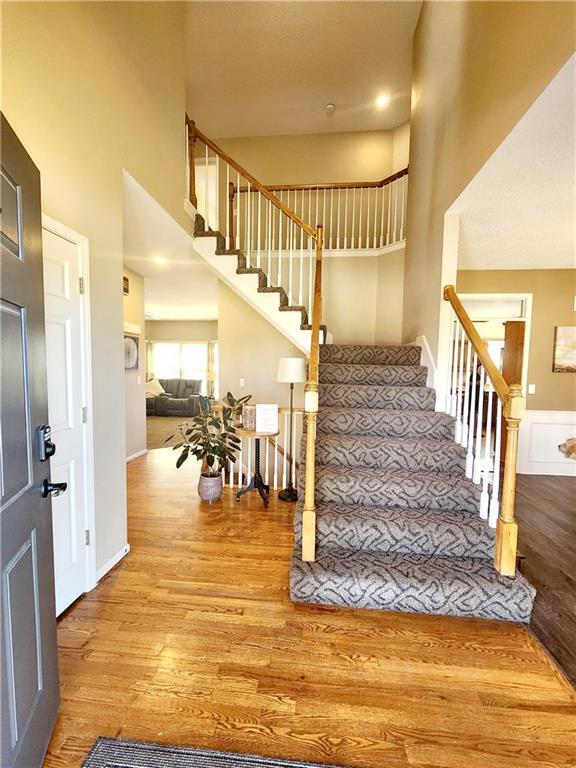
192,166
231,194
507,527
311,411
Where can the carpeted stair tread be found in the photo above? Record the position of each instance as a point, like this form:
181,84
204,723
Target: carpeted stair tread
384,421
411,583
362,354
410,453
372,396
396,375
416,531
396,488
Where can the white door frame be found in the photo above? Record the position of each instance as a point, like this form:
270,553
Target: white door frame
526,298
81,242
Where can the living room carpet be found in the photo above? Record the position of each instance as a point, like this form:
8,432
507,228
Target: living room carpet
119,753
158,428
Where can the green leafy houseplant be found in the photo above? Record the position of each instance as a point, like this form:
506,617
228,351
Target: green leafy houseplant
211,436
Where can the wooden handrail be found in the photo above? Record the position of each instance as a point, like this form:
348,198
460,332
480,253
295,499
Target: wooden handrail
335,185
311,411
478,344
513,409
254,183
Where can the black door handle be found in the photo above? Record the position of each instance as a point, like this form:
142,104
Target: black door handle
53,489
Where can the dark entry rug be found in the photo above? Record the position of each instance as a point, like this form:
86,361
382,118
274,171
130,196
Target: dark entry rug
118,753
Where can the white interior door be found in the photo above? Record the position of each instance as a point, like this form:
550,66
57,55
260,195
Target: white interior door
66,336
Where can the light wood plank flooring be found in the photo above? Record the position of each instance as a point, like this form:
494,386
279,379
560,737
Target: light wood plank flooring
192,639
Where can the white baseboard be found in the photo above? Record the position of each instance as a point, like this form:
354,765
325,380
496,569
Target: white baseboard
541,432
136,455
426,359
101,572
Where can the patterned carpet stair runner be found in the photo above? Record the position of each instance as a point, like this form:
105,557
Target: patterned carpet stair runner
397,520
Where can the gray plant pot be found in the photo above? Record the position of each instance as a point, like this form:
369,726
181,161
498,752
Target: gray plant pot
210,488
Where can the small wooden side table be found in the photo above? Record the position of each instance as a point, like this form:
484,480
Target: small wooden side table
256,481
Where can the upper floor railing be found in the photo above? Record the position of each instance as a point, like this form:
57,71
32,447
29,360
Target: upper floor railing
270,238
355,215
488,413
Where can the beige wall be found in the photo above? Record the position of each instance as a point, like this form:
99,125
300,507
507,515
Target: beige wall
314,158
134,380
554,291
477,68
92,88
181,330
389,298
400,147
249,348
363,298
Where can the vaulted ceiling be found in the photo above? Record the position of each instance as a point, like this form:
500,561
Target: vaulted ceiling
263,68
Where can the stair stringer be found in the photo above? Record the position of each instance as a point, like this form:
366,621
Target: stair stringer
225,265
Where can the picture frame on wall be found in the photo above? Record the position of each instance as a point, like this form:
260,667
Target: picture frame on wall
564,360
131,352
126,285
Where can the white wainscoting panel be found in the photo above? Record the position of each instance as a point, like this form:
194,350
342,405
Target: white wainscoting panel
541,432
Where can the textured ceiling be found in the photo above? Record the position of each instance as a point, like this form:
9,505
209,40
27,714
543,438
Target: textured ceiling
183,288
262,68
519,210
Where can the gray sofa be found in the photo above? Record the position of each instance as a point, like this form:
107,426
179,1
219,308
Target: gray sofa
180,398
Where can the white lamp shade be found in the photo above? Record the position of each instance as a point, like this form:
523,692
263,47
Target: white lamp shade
291,370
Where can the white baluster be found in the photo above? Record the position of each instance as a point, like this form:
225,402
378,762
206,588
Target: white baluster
494,500
460,386
290,226
346,219
338,222
280,218
301,275
248,226
389,214
402,214
206,191
285,451
478,451
238,198
470,450
454,383
240,461
259,238
448,407
465,409
382,217
324,207
395,185
275,462
360,222
487,456
332,218
228,244
353,241
217,201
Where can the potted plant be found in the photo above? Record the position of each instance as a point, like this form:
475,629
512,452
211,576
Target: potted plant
211,437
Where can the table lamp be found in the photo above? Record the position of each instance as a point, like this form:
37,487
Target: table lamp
291,370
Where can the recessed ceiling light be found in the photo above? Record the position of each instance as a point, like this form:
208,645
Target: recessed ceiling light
382,101
330,109
160,260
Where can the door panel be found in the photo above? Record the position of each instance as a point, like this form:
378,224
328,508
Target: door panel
15,427
29,674
64,328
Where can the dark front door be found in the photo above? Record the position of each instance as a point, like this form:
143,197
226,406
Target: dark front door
28,637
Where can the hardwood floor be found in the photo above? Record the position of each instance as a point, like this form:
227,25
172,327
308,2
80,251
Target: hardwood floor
546,508
192,639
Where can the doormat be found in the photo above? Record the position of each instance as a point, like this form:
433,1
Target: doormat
119,753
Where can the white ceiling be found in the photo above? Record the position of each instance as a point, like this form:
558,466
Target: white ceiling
182,289
519,211
263,68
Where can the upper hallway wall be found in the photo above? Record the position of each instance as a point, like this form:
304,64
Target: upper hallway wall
92,88
478,66
181,330
314,158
